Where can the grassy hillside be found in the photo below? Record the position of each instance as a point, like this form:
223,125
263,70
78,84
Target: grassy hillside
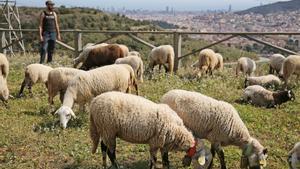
30,137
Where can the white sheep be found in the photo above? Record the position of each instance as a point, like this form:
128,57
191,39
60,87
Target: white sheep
87,85
276,62
259,96
34,73
290,66
266,81
162,56
134,53
294,157
137,120
58,80
136,63
4,66
216,121
220,64
85,52
245,65
208,61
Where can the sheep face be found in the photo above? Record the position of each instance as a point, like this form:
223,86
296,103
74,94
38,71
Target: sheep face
187,160
65,114
252,158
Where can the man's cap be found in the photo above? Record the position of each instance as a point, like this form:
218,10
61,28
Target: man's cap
50,3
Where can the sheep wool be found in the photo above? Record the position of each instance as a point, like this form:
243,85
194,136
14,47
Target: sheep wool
162,55
291,65
136,120
266,81
294,157
134,53
220,64
276,62
4,92
124,49
4,66
136,63
208,61
245,65
58,80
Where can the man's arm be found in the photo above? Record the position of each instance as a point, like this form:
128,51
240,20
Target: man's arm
57,27
41,26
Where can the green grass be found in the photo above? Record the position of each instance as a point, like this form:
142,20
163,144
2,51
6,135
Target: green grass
30,137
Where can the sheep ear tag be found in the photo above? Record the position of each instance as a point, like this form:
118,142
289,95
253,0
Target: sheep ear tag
263,163
201,160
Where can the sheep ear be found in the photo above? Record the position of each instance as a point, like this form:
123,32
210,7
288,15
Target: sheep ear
201,160
72,113
265,151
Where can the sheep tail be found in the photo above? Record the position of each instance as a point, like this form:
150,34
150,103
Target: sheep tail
94,135
171,62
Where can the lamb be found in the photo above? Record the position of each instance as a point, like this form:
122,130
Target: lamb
102,56
208,61
58,80
294,157
216,121
245,65
137,120
266,81
134,53
4,66
136,63
87,85
85,52
34,73
162,55
220,64
259,96
276,62
291,65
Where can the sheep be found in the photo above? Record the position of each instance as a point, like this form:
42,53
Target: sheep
266,81
4,92
276,62
208,61
102,56
34,73
162,55
245,65
136,63
259,96
291,65
137,120
58,80
4,66
294,157
85,52
220,64
216,121
134,53
86,85
124,49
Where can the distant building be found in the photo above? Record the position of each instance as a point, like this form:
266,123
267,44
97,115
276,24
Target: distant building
230,8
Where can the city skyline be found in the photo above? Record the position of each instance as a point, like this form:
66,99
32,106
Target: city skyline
187,5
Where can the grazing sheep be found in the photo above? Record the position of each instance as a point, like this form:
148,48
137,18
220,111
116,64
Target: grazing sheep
136,63
276,62
208,61
134,53
216,121
137,120
162,55
87,85
245,65
105,55
4,66
4,92
85,53
294,157
58,80
34,73
259,96
220,64
266,81
291,65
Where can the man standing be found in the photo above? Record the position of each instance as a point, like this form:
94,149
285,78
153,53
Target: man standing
49,31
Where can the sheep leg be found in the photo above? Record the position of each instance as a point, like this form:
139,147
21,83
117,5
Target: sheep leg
213,152
165,159
220,153
153,158
166,68
24,84
112,153
61,96
104,154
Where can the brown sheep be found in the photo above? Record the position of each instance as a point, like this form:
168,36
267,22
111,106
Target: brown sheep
105,55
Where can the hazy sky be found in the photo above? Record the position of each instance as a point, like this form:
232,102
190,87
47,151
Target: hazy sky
155,4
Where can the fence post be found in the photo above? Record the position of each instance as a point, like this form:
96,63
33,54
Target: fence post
177,49
77,42
2,42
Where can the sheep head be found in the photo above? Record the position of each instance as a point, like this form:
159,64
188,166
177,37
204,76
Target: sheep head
187,160
65,114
